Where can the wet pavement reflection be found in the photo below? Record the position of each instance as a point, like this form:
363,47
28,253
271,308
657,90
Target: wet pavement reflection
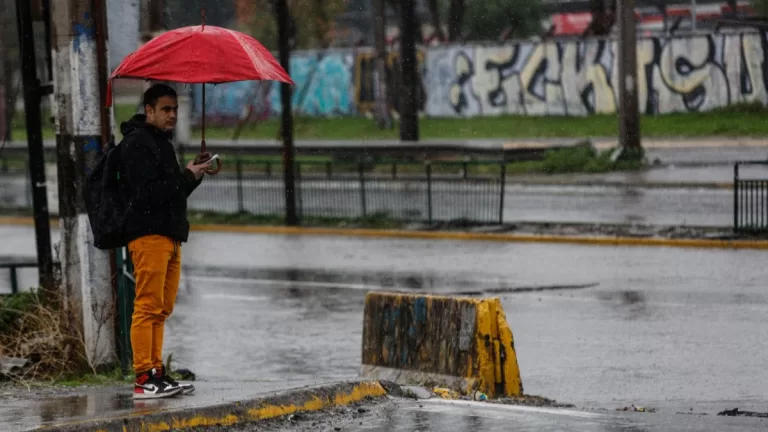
599,327
18,412
455,416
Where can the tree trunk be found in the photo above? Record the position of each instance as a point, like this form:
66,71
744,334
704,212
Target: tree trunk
11,88
436,22
383,117
409,25
603,17
456,20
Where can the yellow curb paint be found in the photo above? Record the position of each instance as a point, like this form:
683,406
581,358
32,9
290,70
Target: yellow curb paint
359,392
22,220
511,238
456,235
269,411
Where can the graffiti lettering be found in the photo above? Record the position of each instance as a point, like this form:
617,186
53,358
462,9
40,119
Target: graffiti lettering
574,78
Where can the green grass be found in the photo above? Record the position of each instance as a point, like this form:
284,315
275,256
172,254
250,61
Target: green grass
737,120
13,306
106,378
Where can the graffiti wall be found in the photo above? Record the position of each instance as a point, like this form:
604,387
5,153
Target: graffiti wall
579,78
336,83
324,87
572,78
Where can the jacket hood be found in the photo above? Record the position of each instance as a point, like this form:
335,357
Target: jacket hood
139,121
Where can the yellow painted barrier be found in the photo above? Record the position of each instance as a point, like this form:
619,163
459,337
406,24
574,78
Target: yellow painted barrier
454,342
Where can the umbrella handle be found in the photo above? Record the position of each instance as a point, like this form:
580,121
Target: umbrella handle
204,156
214,171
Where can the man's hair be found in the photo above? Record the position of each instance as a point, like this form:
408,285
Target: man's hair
156,92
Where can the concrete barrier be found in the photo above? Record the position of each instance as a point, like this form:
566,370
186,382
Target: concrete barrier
460,343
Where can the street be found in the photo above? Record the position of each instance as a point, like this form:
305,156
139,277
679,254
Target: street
602,328
620,299
455,416
691,206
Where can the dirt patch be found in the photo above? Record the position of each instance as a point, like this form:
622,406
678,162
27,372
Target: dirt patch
531,400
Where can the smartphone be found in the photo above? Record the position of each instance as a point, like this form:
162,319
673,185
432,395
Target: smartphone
216,156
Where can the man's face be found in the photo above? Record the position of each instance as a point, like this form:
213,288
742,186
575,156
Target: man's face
163,114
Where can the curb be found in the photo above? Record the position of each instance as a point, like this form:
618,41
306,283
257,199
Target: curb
231,413
459,235
622,185
509,238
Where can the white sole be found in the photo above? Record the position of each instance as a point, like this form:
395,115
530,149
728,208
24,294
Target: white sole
144,396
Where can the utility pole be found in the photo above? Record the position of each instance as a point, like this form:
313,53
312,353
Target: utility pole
33,94
409,121
629,119
383,117
85,270
284,46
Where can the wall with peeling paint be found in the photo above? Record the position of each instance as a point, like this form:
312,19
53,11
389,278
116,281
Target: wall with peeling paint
455,342
577,77
574,78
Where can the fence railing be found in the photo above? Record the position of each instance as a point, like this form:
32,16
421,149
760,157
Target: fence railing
15,190
750,200
471,192
11,269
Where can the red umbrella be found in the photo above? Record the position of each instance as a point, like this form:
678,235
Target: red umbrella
199,55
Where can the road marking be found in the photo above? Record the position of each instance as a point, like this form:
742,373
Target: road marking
476,290
485,406
298,283
234,297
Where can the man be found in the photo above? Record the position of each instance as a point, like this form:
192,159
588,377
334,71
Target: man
156,190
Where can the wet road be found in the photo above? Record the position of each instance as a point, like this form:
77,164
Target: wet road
662,326
522,202
703,207
690,177
458,416
706,155
600,327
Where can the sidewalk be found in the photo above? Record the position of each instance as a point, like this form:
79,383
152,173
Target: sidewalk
223,402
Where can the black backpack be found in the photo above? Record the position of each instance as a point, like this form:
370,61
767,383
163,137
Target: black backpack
104,202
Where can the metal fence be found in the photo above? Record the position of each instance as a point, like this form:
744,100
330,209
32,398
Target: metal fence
15,190
750,200
470,192
9,274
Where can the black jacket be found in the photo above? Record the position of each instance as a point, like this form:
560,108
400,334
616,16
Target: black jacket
155,187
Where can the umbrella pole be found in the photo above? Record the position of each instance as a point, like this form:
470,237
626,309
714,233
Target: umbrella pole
202,144
210,171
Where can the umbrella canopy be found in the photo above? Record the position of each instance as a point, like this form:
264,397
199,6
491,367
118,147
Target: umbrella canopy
200,54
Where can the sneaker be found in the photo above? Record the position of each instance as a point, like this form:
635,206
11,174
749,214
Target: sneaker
162,374
148,386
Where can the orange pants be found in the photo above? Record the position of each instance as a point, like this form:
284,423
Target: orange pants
157,269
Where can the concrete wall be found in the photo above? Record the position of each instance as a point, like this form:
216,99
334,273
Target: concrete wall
461,343
575,78
123,28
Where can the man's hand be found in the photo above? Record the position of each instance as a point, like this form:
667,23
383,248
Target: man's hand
198,169
202,157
